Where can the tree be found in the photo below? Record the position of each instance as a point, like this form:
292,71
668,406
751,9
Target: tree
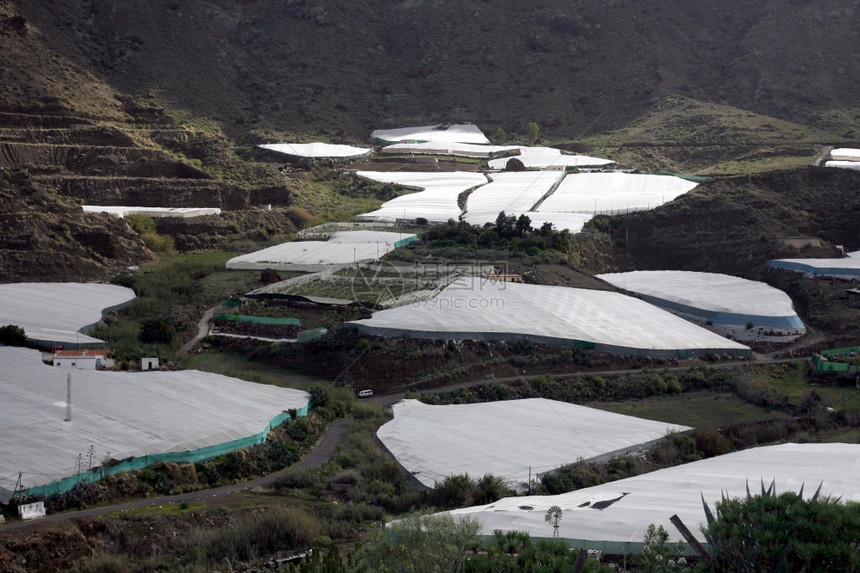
419,544
785,533
157,331
523,225
505,225
532,133
13,335
499,136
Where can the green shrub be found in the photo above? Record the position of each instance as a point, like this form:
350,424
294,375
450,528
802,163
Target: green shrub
12,335
253,536
770,532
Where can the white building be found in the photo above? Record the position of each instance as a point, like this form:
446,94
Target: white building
84,359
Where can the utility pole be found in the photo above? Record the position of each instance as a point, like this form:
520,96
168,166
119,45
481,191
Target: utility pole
68,397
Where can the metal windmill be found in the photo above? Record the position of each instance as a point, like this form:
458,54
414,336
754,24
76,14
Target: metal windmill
553,516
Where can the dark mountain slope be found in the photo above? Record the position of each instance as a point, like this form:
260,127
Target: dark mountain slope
572,67
734,225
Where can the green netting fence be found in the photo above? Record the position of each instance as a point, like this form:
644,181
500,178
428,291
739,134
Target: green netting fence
187,456
826,366
257,319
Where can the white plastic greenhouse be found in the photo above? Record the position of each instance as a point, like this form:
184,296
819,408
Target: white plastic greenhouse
448,148
548,157
59,313
847,267
515,193
456,133
147,416
479,309
512,439
614,193
613,517
845,154
318,150
182,212
436,201
344,247
844,164
722,300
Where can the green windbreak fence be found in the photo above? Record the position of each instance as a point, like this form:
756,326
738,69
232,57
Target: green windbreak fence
188,456
406,241
827,366
257,319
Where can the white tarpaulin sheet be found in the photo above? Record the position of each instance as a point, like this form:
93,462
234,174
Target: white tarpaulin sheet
614,193
654,497
436,202
512,439
54,312
317,150
477,309
547,157
456,133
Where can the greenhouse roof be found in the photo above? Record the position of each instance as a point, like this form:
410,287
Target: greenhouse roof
614,516
614,193
449,148
848,266
845,154
57,312
343,247
706,291
317,150
573,222
455,133
515,193
478,309
120,414
843,164
511,439
545,157
436,202
183,212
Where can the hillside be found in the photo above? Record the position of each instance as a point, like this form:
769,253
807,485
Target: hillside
735,224
345,68
161,103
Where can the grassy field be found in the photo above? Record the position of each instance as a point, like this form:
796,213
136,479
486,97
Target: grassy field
790,380
244,369
695,409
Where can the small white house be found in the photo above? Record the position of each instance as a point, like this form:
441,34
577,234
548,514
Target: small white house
149,364
87,359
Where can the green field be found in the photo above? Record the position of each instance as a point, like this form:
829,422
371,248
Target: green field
695,409
252,371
